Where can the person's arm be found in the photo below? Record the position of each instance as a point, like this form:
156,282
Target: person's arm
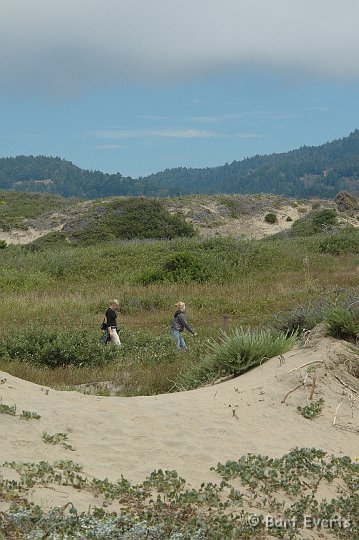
184,323
107,322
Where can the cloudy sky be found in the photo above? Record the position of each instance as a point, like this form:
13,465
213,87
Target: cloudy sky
138,86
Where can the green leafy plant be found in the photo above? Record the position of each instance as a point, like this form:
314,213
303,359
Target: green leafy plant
8,409
28,415
57,438
313,410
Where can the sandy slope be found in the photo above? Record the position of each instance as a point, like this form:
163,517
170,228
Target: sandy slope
188,431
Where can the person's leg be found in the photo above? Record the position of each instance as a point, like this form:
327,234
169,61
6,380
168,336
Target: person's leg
105,337
182,343
114,337
176,337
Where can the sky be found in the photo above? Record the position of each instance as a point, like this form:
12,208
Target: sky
138,86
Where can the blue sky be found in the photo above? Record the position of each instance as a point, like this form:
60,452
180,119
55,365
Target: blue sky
137,87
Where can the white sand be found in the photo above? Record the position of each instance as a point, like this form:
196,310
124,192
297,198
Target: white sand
187,431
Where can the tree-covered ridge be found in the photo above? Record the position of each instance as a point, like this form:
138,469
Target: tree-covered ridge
56,175
309,171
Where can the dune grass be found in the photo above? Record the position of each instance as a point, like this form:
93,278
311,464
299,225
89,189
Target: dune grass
236,353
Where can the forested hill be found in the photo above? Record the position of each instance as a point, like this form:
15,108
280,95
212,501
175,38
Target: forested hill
56,175
309,171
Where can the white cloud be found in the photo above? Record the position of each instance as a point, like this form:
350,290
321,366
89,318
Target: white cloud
58,48
149,133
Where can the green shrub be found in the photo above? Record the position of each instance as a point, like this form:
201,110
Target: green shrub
271,218
48,241
345,241
235,354
55,348
342,323
302,317
128,219
3,244
182,267
314,222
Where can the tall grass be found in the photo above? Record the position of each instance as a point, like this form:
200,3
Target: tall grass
250,281
342,323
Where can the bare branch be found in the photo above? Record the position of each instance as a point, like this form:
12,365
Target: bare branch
291,391
307,364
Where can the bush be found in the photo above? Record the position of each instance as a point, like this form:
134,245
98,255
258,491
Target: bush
3,244
346,202
54,348
127,219
302,317
51,240
235,354
346,241
182,267
342,323
314,222
271,218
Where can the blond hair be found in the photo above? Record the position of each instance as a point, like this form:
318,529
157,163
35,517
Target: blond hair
180,305
115,301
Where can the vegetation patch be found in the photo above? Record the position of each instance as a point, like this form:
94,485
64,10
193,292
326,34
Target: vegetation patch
17,208
182,267
342,323
236,353
315,222
57,438
271,218
29,415
313,410
127,219
165,507
54,348
344,241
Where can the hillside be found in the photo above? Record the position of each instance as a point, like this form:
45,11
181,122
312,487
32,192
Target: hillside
319,171
25,218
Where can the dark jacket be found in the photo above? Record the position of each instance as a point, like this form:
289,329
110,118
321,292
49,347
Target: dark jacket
179,322
111,317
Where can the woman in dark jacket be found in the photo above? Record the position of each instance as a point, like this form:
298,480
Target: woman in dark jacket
179,324
110,320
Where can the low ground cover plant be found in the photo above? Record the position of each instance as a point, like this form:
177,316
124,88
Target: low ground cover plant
7,409
165,507
312,410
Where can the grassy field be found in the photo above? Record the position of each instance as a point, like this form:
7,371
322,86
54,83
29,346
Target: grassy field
252,283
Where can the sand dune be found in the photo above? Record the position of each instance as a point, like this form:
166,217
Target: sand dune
187,431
